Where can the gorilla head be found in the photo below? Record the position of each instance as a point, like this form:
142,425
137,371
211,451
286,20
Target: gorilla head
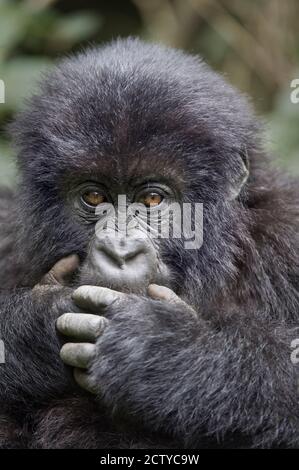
113,122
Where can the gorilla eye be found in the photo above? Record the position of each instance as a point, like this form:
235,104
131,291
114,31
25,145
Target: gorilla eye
93,198
150,199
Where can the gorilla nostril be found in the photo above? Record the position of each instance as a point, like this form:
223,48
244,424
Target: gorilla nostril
112,255
120,251
133,255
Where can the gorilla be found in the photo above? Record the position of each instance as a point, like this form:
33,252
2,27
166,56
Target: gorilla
118,338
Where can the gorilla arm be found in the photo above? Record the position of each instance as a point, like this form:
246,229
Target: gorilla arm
162,363
32,371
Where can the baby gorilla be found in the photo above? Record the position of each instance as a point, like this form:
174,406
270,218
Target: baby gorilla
182,344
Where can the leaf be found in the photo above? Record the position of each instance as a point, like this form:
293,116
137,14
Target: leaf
20,76
75,27
7,164
13,24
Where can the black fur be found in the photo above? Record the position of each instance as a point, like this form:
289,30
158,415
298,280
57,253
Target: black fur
222,379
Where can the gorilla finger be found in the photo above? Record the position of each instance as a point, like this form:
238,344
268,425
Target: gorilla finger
83,326
163,293
61,272
78,355
84,380
95,298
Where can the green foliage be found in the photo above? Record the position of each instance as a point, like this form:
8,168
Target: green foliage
7,167
20,75
283,131
30,38
254,44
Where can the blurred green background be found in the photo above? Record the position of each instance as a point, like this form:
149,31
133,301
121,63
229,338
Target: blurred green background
254,43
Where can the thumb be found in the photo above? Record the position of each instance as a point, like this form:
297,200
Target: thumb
163,293
61,272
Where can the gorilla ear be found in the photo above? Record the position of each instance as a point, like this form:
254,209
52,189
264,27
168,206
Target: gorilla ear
238,176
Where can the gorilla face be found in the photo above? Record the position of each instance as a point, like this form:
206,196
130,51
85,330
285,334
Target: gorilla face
134,131
123,254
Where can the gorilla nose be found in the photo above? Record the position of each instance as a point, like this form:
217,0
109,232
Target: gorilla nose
121,250
123,262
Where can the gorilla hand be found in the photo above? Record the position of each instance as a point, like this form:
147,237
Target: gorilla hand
61,272
52,293
116,352
33,372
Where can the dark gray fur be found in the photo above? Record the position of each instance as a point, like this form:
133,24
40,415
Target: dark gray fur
222,379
